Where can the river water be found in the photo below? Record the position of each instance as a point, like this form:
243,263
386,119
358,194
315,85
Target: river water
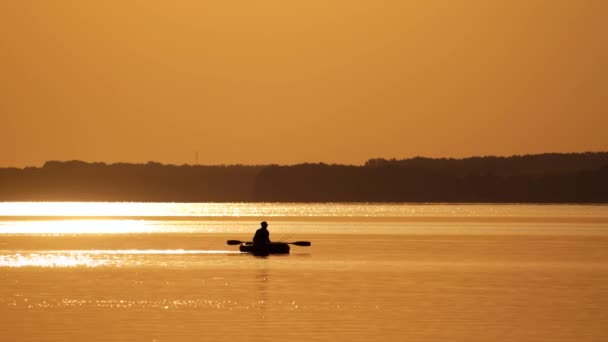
390,272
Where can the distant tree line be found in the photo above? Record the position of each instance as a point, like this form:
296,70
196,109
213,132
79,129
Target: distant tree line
543,178
151,182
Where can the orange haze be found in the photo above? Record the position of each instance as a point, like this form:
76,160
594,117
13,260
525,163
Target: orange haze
275,81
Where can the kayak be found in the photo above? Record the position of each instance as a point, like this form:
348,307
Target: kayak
271,248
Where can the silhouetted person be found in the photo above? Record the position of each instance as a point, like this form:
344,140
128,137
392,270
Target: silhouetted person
262,235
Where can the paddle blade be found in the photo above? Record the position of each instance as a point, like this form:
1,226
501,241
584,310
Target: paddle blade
234,242
301,243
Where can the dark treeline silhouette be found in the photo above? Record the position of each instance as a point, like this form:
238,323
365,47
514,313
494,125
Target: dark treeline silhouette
151,182
544,178
538,164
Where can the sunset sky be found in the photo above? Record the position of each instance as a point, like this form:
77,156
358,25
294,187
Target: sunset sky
276,81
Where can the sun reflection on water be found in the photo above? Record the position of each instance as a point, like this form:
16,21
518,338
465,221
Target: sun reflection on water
151,304
99,258
50,260
76,227
77,209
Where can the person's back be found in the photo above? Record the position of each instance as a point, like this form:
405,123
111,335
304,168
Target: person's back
262,236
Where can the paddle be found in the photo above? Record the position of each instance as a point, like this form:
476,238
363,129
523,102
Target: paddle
300,243
297,243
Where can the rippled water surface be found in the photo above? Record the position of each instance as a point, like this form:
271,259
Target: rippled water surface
163,272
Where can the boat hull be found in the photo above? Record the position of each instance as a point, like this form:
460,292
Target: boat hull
271,248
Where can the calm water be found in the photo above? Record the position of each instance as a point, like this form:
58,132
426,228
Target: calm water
163,272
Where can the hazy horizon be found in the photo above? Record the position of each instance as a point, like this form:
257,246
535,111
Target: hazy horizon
362,163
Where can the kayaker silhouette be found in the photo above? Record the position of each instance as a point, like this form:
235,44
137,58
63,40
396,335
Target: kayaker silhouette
262,235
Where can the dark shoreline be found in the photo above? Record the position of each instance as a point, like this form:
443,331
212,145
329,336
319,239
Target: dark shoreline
575,178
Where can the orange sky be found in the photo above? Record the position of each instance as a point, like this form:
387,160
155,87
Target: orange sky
275,81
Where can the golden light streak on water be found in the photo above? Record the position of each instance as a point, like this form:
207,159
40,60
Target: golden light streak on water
70,209
97,258
297,210
128,209
49,260
76,227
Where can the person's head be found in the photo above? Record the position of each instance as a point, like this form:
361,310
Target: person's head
264,224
